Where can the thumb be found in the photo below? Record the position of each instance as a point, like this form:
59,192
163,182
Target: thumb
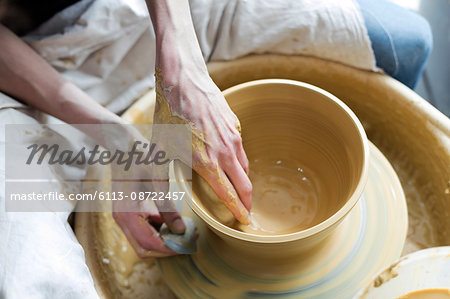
163,200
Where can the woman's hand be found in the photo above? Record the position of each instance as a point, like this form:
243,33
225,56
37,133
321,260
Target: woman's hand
138,214
187,95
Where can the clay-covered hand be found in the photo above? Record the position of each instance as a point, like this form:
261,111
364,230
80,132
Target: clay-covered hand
187,95
140,212
138,225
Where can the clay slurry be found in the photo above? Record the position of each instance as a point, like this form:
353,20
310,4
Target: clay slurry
285,197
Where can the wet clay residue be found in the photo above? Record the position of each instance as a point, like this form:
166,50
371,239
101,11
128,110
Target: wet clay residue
386,276
424,228
134,277
298,154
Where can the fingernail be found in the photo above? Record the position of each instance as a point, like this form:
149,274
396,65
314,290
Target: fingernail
178,226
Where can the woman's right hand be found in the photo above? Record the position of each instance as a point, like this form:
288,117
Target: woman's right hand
188,95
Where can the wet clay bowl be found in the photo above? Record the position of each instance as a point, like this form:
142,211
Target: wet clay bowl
312,155
422,274
410,132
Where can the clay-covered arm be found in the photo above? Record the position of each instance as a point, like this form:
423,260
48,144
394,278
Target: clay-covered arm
183,84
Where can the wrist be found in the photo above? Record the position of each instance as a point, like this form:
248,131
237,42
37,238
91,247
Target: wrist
175,54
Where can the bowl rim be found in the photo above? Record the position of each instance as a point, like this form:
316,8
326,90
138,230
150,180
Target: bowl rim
320,227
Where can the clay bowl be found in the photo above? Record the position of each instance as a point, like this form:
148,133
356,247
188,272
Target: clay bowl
422,274
311,130
412,134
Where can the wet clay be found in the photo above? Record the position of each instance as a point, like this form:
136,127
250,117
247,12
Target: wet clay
285,197
118,253
305,154
123,274
428,294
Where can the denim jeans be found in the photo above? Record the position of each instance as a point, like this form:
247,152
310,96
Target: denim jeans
401,39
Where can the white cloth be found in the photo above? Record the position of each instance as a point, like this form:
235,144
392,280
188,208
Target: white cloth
39,254
106,47
327,29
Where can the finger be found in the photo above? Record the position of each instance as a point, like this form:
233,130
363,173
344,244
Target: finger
242,157
148,207
174,222
170,215
164,203
240,181
222,186
141,235
240,153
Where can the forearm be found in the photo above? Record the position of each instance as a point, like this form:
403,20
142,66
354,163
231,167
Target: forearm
176,42
27,77
184,83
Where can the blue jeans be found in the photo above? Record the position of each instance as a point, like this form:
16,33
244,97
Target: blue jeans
401,39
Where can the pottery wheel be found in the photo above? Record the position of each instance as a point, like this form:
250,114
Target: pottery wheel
370,237
409,131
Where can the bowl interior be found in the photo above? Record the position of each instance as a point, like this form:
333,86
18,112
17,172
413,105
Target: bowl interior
308,159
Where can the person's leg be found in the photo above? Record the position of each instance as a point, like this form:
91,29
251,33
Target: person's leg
401,39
